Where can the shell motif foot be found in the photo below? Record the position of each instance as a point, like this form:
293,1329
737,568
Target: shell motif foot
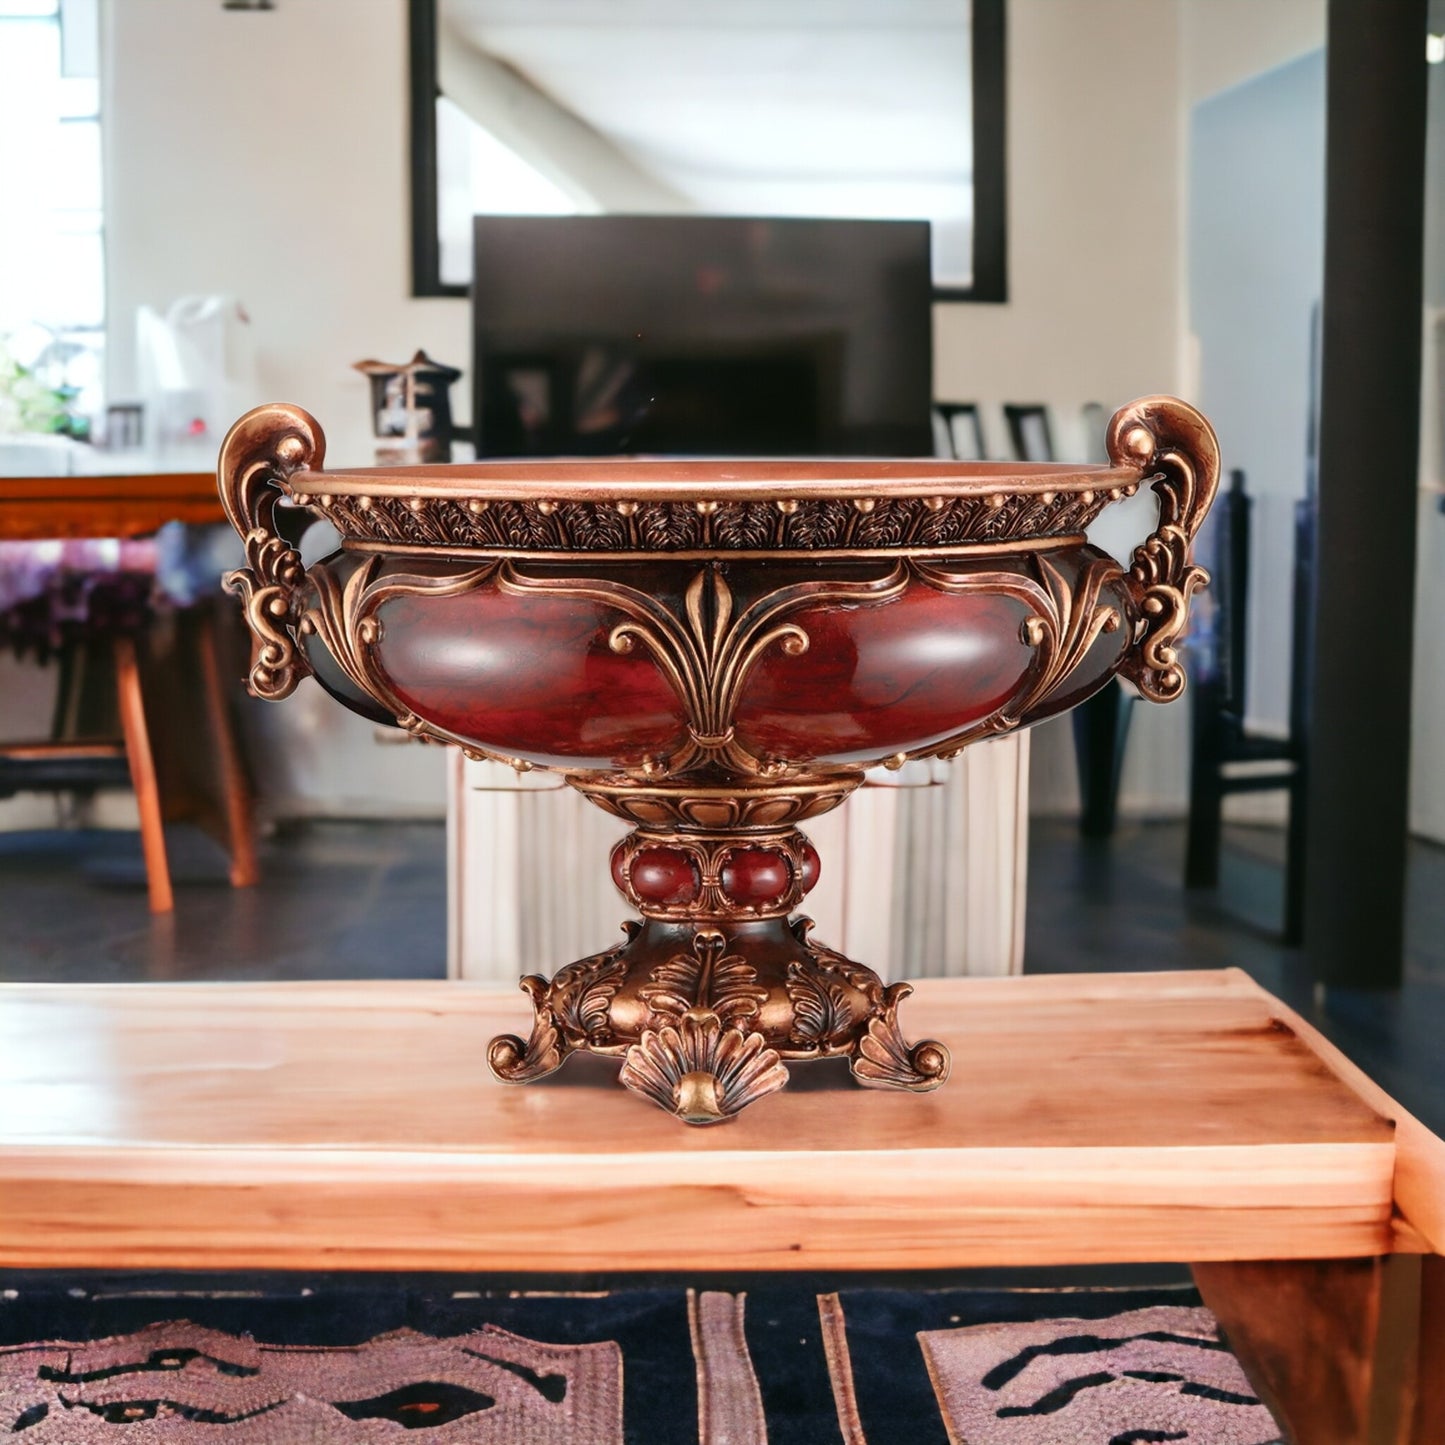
702,1071
883,1058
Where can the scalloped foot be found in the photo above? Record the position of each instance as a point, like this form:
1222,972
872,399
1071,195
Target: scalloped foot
702,1071
706,1019
883,1058
515,1061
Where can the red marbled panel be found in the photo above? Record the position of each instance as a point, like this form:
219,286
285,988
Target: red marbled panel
530,676
885,678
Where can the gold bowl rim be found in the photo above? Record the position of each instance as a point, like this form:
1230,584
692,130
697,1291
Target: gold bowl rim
661,479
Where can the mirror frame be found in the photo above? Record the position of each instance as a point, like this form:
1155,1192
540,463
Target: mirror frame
990,229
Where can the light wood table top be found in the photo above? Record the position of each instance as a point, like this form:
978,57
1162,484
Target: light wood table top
1108,1117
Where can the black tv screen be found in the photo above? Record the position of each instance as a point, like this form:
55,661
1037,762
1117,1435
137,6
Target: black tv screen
701,336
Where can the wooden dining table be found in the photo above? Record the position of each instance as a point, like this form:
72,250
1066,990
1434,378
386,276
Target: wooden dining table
1090,1119
170,703
117,505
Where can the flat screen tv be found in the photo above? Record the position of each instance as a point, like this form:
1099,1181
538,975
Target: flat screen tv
701,336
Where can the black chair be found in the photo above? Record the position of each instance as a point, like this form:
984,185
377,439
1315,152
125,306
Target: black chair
1226,757
1101,724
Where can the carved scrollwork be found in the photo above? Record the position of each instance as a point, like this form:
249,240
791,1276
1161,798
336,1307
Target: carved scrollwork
825,1014
739,805
569,1013
342,615
582,995
260,454
884,1059
1067,615
805,525
1171,443
518,1061
707,652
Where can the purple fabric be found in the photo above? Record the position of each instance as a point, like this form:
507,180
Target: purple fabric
55,593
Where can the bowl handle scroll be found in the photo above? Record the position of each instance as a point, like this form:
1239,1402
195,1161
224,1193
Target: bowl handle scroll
1175,450
261,453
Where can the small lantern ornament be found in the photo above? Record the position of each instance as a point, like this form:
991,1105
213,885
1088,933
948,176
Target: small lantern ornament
411,408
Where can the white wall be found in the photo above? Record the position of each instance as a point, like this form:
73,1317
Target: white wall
1427,758
1220,44
1223,42
1256,229
264,154
1094,196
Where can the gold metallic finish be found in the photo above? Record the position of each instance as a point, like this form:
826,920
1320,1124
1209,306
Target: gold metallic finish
1175,444
646,481
739,807
958,551
705,569
702,1071
808,516
261,454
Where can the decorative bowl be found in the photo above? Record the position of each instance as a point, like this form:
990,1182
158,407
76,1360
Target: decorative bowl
715,651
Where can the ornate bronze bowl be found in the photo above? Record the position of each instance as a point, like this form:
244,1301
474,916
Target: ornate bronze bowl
715,651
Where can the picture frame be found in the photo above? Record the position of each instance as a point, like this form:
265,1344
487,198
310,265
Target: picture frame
960,429
987,166
1029,432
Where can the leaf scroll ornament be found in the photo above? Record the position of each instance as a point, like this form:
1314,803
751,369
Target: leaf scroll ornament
706,978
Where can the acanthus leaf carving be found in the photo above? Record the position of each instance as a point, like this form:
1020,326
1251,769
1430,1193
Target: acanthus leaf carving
582,994
706,978
823,1012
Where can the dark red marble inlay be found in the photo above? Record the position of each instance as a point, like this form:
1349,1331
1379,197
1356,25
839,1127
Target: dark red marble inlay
884,678
665,875
618,862
812,867
531,676
755,875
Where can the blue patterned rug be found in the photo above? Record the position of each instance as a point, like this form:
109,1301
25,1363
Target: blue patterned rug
357,1361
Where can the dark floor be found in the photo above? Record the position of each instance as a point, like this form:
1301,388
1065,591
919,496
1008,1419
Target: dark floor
367,900
336,900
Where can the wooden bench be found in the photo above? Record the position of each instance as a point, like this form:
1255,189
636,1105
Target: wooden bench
1101,1118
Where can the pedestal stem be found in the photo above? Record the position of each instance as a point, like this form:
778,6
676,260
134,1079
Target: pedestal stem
718,987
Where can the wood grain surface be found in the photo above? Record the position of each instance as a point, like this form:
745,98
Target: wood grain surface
112,506
355,1125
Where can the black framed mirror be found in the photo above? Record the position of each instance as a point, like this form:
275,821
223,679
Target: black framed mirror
528,106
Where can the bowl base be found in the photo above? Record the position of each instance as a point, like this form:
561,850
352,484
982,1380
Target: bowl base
706,1015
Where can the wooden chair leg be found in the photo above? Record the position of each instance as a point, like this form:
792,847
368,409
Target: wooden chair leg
1340,1350
235,791
143,775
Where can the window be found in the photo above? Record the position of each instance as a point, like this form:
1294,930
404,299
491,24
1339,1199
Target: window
52,264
